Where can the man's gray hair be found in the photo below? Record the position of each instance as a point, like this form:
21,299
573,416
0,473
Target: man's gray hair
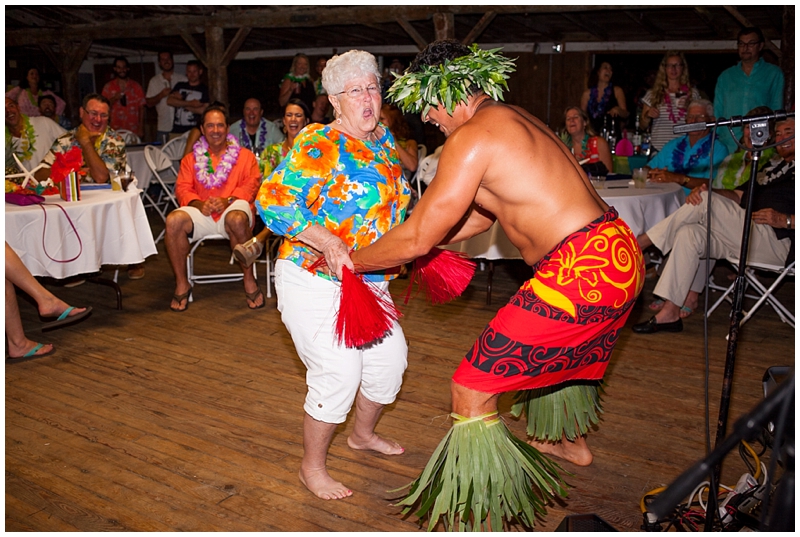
343,67
705,103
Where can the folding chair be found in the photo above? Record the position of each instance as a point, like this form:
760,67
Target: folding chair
761,293
212,278
165,174
130,138
269,262
174,149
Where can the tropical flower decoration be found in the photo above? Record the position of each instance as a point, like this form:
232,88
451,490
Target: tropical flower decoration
449,83
66,163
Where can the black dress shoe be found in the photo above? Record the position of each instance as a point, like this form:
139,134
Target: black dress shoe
652,326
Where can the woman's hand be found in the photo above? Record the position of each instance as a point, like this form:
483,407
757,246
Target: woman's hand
615,112
652,112
336,253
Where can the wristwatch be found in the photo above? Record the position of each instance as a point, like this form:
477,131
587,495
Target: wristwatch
685,179
788,221
231,199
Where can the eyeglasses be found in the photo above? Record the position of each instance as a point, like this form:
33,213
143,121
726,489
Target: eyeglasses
96,115
358,91
697,116
674,66
750,44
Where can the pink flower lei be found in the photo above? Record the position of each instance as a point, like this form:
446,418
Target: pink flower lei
206,175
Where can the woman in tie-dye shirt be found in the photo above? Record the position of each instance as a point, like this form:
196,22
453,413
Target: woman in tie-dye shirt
340,188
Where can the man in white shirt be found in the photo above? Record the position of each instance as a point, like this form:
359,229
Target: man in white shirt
31,137
158,89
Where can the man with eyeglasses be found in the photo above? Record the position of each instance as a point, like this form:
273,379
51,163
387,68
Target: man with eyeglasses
103,150
750,83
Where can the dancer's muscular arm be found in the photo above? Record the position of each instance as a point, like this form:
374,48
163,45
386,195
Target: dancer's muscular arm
444,205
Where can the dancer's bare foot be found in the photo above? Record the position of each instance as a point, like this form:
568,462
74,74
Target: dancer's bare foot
576,452
323,485
376,443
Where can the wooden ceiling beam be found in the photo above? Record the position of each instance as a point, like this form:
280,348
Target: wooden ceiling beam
411,31
528,22
235,45
639,18
197,49
268,17
601,35
746,23
705,16
478,29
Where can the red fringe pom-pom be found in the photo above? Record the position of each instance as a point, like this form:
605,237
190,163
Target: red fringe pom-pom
443,275
363,315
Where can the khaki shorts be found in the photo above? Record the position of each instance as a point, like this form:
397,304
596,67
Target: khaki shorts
205,225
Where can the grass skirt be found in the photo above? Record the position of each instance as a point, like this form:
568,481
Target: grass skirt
568,409
480,477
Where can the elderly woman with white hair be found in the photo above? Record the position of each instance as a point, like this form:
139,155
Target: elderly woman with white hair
340,188
686,160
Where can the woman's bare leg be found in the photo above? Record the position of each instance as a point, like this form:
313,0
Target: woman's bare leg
364,437
313,474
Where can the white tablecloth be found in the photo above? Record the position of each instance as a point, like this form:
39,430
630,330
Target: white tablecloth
112,227
640,208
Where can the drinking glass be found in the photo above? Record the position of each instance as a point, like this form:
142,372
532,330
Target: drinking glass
640,178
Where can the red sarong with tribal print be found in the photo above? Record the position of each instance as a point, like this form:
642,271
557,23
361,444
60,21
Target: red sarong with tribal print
563,323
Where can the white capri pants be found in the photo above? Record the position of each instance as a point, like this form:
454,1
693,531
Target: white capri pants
308,306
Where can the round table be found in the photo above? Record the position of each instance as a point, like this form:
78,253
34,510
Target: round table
642,208
112,226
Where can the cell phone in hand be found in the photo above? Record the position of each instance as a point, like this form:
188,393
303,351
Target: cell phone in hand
123,100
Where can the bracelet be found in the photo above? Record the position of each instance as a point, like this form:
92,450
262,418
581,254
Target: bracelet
685,179
788,221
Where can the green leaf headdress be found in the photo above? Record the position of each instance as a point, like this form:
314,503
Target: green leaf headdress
449,83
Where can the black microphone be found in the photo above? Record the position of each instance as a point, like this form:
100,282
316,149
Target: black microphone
735,121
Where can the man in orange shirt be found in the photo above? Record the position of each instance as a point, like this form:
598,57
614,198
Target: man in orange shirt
216,187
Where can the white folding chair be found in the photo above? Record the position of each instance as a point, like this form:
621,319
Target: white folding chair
760,292
174,149
129,137
165,174
195,278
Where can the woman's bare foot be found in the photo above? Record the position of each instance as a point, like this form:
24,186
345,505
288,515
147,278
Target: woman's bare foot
53,307
323,485
376,443
576,452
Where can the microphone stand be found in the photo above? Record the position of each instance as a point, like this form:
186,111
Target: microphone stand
759,134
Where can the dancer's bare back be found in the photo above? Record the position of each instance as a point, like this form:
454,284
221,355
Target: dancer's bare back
501,163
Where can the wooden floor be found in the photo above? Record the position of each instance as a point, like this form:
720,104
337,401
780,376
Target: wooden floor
149,420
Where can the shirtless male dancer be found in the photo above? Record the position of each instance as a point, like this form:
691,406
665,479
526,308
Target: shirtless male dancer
501,163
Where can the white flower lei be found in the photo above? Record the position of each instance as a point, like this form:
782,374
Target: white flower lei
206,175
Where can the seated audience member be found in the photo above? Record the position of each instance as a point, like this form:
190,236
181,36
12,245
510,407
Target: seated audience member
664,105
407,148
47,106
30,137
195,134
253,131
686,160
297,84
103,149
733,171
295,116
580,135
683,233
20,348
28,92
216,187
